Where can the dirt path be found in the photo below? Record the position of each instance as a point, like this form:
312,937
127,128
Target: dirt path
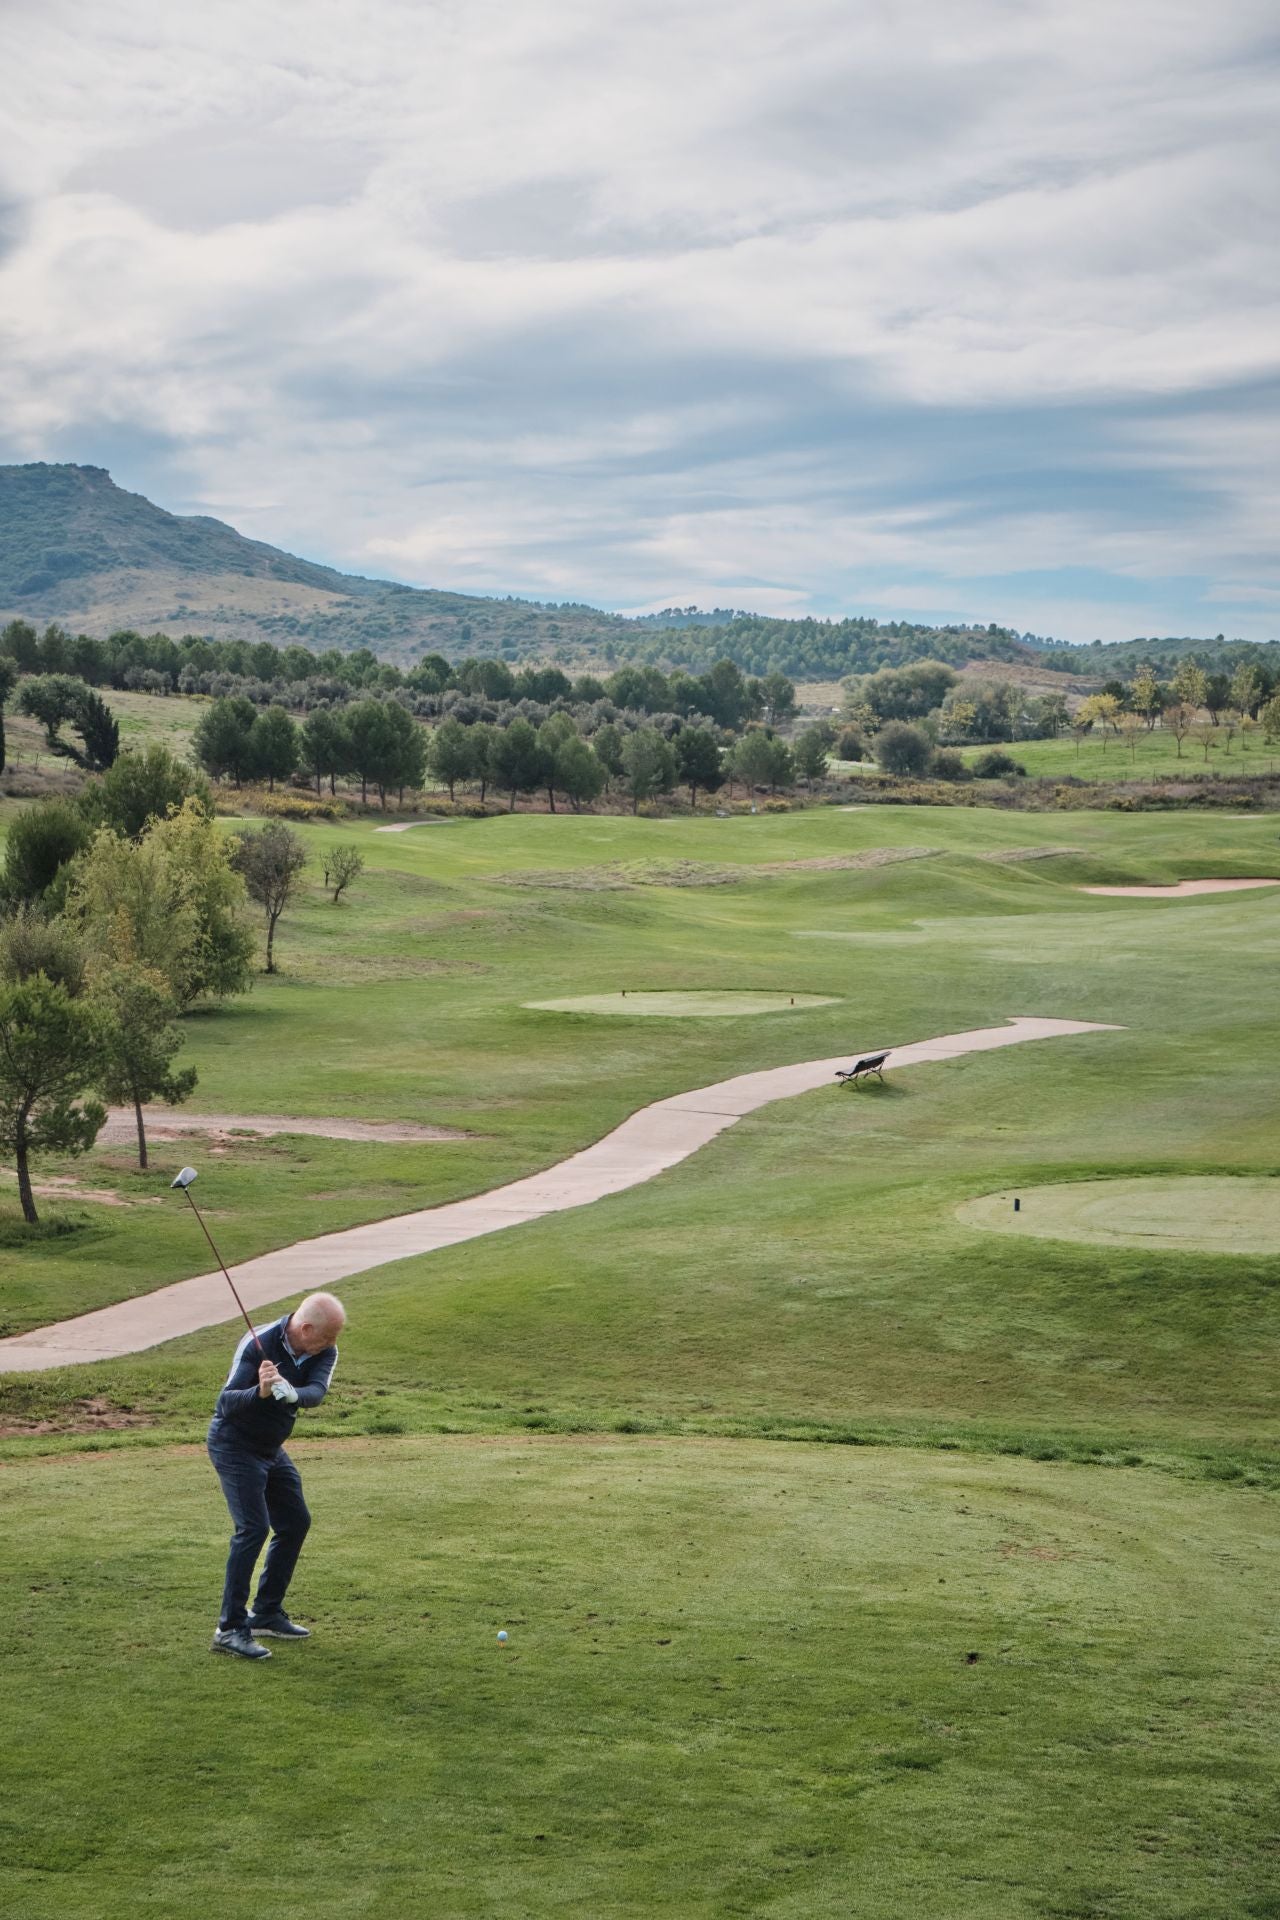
1182,891
655,1138
170,1123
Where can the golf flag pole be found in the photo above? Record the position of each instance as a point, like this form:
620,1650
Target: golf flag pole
183,1181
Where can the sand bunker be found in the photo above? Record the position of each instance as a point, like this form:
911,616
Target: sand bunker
1163,1213
685,1006
166,1123
1182,891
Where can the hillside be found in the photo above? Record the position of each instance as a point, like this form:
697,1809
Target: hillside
77,549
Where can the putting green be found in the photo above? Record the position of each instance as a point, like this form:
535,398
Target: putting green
1175,1215
685,1006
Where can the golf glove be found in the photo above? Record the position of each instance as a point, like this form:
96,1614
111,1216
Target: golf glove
281,1390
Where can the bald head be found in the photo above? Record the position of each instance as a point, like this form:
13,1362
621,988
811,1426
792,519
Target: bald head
315,1323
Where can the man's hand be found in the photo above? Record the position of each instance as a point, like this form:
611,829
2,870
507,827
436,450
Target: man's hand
268,1374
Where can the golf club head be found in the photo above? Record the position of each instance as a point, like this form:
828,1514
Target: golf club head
184,1179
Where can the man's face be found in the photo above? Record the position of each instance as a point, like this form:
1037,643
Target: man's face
309,1336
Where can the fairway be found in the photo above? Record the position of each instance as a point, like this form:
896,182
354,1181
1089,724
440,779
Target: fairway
740,1679
1183,1215
683,1006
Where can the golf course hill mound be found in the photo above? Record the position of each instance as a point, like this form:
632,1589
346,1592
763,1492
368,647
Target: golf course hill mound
693,1005
1232,1214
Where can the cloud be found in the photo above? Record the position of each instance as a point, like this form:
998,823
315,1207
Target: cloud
819,307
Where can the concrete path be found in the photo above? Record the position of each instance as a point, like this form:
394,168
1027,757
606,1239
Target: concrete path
655,1138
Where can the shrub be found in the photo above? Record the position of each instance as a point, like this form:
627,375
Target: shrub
850,745
776,806
947,764
902,749
997,765
290,805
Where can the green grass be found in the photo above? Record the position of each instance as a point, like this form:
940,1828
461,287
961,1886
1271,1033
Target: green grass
853,1438
741,1679
1179,1215
1151,754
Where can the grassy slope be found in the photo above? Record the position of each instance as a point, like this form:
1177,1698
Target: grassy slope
738,1682
1154,753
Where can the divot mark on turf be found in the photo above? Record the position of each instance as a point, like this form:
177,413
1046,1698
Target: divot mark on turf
648,1143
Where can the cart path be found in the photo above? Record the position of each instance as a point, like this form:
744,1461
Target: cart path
651,1140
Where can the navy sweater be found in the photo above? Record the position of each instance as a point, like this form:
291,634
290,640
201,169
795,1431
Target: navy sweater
265,1425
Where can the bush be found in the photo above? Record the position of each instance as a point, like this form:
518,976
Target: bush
997,765
776,806
947,764
903,750
850,745
42,839
290,805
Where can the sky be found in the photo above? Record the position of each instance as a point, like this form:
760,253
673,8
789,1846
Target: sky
942,309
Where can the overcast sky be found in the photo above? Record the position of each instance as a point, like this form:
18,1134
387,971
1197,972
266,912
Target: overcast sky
930,309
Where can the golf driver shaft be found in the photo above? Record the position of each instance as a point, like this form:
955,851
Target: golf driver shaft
226,1276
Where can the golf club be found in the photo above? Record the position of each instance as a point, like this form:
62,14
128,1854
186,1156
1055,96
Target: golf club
183,1181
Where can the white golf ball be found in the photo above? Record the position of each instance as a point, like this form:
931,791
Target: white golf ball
502,1639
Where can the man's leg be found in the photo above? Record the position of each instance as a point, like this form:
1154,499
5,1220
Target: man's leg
290,1522
244,1478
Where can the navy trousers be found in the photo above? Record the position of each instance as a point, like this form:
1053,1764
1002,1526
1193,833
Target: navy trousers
265,1497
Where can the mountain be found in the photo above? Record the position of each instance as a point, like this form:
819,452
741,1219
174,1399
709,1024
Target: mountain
76,548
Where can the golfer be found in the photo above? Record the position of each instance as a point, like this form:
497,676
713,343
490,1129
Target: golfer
276,1370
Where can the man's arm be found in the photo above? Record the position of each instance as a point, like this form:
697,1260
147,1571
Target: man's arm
318,1385
242,1385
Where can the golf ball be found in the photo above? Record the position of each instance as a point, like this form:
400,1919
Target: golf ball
502,1639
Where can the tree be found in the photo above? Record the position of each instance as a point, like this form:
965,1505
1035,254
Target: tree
751,760
406,753
782,766
1246,691
170,902
51,1051
57,700
578,774
270,862
811,750
324,745
517,760
42,840
480,756
1191,684
1130,724
1217,692
273,746
1145,694
142,786
554,733
777,697
8,681
903,749
649,764
1270,718
1102,709
21,643
140,1038
850,744
607,744
1179,720
343,864
698,759
449,754
221,742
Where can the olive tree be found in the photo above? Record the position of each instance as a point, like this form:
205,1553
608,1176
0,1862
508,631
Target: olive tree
270,862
